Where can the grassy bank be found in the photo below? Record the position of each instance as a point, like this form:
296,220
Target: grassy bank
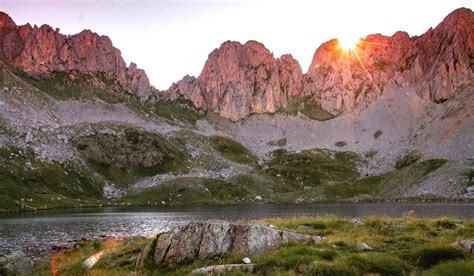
400,246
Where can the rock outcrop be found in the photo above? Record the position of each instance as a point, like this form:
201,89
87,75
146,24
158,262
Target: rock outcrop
343,79
43,50
435,64
16,263
238,80
215,239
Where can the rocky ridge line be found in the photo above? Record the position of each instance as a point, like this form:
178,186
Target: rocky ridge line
238,80
44,50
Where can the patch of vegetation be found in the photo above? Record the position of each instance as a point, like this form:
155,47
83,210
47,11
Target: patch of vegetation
88,87
371,153
130,154
340,144
454,268
393,253
390,184
192,190
311,109
325,269
446,224
232,150
407,159
28,183
310,167
382,263
72,86
378,133
280,142
180,110
427,257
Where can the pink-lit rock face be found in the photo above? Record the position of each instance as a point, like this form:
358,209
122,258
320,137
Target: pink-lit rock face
442,60
238,80
43,50
435,64
343,80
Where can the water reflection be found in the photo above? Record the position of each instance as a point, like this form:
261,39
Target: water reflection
34,233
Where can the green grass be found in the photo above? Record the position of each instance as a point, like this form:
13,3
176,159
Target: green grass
391,184
429,256
232,150
311,168
192,190
82,87
452,268
393,253
178,110
121,157
382,263
43,184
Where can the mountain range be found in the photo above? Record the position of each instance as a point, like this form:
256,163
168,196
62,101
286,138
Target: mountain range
390,119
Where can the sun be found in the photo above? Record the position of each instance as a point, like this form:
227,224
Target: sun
348,42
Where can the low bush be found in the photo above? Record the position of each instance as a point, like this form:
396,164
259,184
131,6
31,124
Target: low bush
325,269
454,268
427,257
377,263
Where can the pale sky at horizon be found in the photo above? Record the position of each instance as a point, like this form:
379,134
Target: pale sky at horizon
172,38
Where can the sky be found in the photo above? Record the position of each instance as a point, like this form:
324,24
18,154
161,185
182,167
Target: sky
172,38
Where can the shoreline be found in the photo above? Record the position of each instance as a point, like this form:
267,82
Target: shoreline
417,199
310,243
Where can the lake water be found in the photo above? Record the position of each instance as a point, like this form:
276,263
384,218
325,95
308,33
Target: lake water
35,233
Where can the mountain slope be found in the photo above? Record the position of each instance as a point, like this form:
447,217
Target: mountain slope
74,133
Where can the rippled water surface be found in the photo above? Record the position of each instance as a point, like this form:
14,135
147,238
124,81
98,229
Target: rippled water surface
35,233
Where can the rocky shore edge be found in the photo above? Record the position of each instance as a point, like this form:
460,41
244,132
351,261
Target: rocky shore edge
212,240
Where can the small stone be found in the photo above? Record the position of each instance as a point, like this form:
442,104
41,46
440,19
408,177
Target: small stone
259,198
246,260
361,246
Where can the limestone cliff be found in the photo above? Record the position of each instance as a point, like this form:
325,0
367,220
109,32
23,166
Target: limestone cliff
43,50
238,80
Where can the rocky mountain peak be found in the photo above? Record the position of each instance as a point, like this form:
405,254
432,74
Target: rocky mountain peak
6,22
44,50
241,79
238,80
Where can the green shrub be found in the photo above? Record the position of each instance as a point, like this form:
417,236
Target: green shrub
452,268
445,224
294,256
427,257
377,263
378,133
340,144
232,150
325,269
327,254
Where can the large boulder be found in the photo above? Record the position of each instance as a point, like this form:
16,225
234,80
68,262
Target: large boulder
215,239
